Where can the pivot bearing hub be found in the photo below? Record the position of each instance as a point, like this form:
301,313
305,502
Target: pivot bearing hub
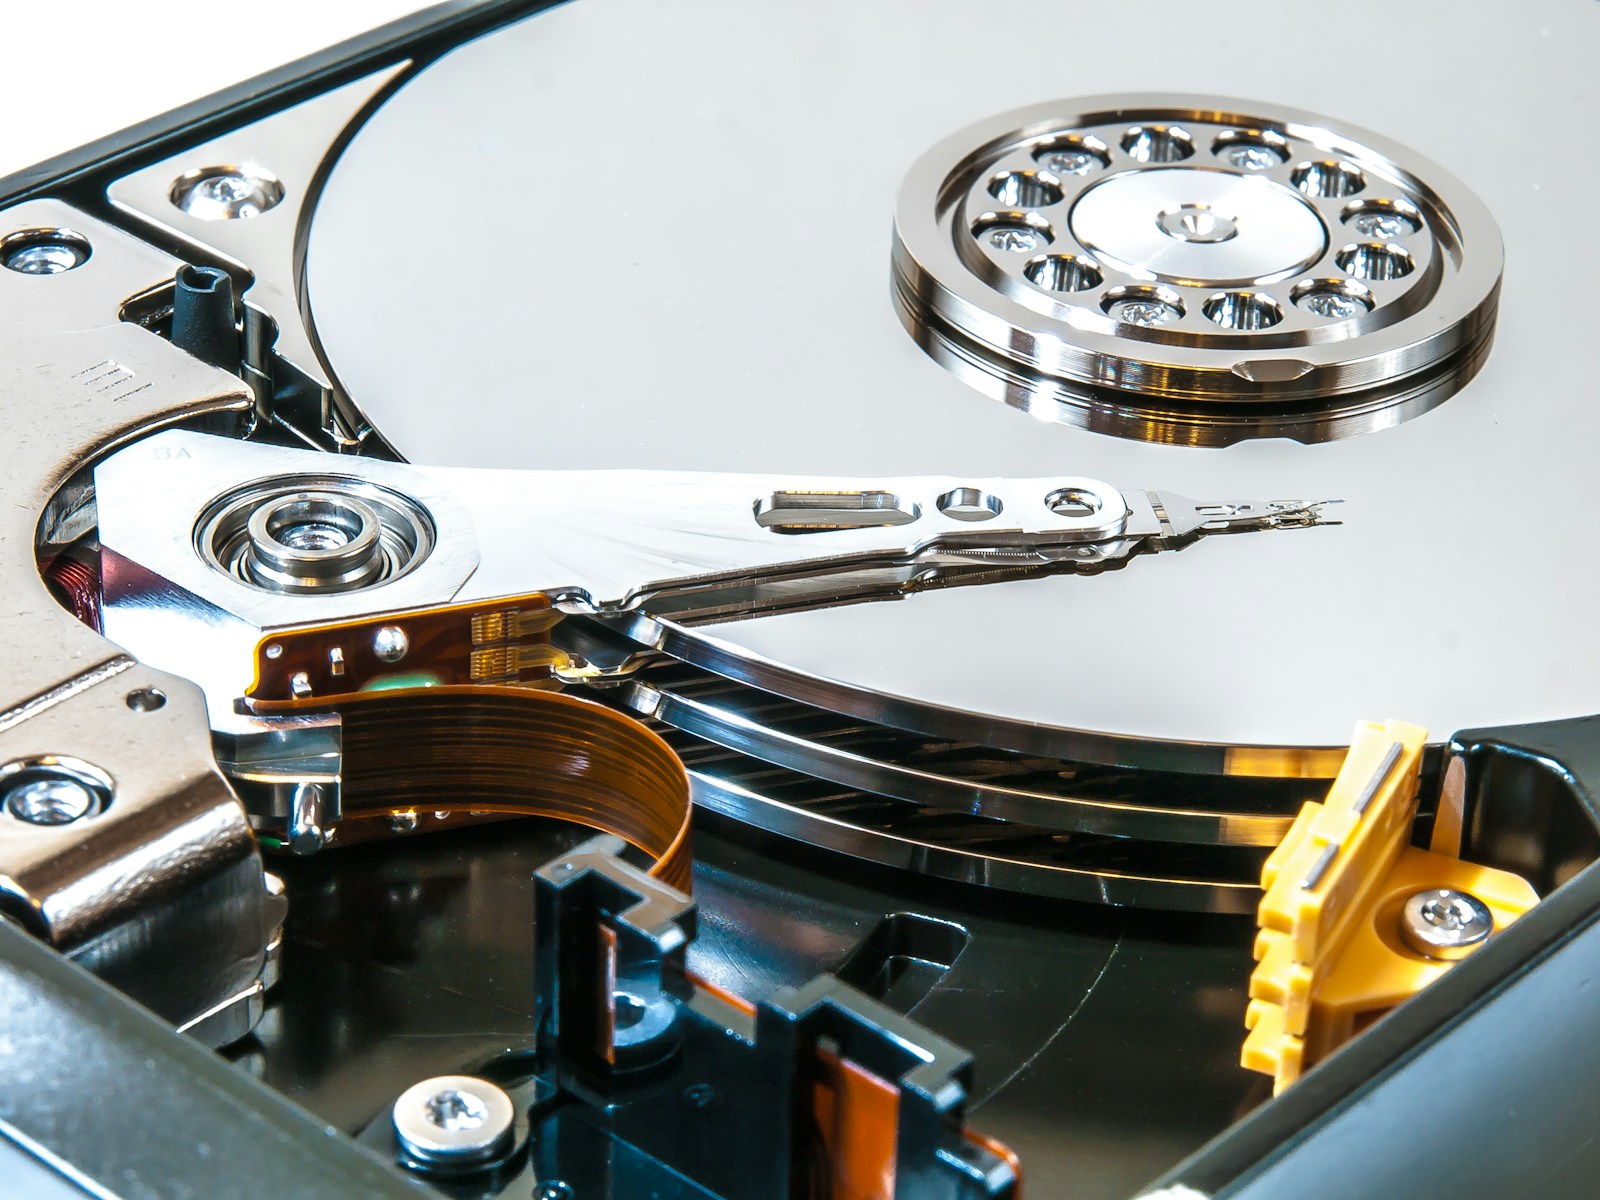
313,534
1196,270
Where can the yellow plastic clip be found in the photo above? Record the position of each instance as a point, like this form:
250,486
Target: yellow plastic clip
1332,954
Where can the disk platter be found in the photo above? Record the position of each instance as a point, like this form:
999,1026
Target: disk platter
696,275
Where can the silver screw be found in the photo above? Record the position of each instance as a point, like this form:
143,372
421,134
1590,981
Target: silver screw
390,643
1014,239
44,256
224,189
1249,157
1445,923
1069,162
226,193
53,799
454,1119
1382,226
455,1110
555,1189
1331,306
1146,313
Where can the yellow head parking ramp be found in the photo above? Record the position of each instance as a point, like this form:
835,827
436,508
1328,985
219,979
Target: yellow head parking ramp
1355,919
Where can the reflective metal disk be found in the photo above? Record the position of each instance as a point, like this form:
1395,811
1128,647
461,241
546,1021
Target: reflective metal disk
622,234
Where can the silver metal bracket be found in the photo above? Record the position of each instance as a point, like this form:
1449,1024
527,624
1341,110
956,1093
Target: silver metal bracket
160,865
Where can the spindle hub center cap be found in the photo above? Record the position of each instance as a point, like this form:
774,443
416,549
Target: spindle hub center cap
1185,225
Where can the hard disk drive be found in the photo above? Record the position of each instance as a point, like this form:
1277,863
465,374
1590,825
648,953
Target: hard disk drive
723,601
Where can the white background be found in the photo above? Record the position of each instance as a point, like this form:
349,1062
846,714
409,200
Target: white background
78,69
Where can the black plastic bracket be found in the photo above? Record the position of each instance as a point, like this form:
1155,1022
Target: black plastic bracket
719,1093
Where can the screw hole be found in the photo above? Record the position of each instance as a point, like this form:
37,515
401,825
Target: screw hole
1025,189
1329,178
627,1009
200,279
1243,310
143,700
1370,260
969,504
1063,273
1157,144
1072,502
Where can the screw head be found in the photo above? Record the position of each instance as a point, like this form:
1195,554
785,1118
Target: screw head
226,193
1332,306
224,189
390,643
554,1189
1251,150
1381,226
1445,923
56,798
1069,162
1247,156
454,1119
1332,299
45,254
1145,313
455,1110
1014,239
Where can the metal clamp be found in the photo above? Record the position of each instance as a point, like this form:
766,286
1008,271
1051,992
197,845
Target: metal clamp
102,880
